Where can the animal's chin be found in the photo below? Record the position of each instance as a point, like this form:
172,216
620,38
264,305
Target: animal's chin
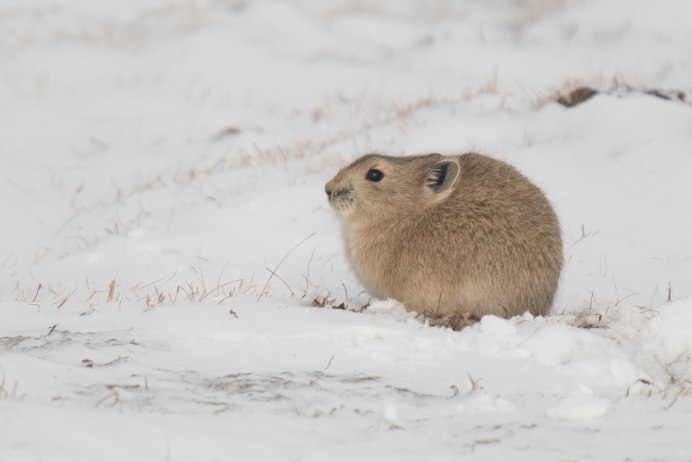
343,208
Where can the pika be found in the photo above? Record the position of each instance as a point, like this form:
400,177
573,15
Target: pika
450,235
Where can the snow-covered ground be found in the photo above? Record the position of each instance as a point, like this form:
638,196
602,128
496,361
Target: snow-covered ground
165,232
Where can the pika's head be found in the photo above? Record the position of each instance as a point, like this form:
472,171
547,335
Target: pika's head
376,187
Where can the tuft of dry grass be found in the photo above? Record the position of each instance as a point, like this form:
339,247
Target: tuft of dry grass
322,301
573,93
151,294
329,302
675,390
456,321
10,393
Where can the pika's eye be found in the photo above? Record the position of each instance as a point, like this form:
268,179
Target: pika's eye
374,175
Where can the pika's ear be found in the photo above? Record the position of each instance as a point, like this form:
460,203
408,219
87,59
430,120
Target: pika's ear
442,176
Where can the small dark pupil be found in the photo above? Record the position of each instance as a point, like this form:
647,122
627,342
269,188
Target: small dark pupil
374,175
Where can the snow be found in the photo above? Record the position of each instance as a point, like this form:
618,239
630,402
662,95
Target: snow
160,159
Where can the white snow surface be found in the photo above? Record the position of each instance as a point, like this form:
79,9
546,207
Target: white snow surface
161,158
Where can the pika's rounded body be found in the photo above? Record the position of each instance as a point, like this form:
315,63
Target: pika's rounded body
449,235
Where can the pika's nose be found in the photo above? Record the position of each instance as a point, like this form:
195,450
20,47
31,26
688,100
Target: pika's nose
329,189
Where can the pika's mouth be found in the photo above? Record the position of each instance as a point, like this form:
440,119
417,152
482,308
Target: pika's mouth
340,199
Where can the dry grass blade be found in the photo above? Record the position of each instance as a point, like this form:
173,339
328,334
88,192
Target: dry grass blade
263,292
6,393
116,360
474,383
219,286
111,290
38,289
115,396
330,362
62,301
273,273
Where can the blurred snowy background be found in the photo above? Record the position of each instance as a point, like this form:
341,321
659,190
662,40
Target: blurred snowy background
169,266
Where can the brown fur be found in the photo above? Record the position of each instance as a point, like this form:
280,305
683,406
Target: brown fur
484,241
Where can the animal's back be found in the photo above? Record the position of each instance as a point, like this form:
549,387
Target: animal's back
508,235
